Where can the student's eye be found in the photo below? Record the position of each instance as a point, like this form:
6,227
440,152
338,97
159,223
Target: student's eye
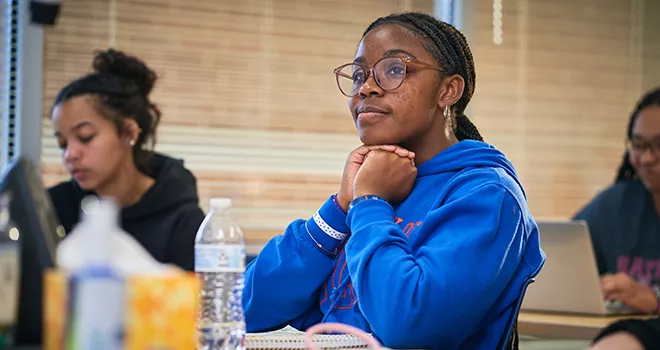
396,69
358,77
61,142
86,139
656,147
638,145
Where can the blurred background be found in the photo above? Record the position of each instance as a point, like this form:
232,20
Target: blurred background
250,103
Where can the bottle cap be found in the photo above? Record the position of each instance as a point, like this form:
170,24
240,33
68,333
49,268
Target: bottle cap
100,220
220,203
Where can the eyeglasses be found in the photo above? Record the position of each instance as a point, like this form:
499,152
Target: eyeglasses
388,72
638,147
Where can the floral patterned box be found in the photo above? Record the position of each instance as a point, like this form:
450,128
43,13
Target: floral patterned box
161,311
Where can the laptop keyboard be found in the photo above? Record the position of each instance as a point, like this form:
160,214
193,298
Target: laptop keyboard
618,307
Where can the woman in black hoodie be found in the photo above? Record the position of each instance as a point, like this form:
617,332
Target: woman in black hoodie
105,125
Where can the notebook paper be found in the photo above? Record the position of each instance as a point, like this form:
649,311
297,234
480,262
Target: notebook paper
291,338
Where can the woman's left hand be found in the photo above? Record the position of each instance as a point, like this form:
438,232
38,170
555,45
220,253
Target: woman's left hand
385,174
634,294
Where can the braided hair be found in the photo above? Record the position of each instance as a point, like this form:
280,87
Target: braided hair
626,170
450,49
121,85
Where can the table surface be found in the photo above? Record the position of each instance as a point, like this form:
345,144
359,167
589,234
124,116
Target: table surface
565,326
542,325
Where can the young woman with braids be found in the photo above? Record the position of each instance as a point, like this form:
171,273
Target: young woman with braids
429,239
105,125
624,220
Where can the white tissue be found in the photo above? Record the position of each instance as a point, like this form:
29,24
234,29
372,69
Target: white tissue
126,255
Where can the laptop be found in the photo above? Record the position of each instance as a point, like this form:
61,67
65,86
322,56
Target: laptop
40,232
569,281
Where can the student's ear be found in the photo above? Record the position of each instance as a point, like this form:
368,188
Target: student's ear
451,90
131,132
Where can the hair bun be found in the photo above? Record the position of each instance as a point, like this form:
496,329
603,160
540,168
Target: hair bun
114,62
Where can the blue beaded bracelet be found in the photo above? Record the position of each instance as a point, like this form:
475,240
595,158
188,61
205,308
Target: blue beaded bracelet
336,203
365,198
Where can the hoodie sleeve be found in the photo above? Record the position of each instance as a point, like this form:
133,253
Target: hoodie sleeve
181,244
439,293
282,284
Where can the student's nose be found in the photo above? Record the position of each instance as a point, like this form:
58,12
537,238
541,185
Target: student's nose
371,87
648,156
72,152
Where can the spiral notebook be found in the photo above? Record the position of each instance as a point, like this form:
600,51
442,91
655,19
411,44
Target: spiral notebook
291,338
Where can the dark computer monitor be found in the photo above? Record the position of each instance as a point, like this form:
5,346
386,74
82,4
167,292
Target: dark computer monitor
31,210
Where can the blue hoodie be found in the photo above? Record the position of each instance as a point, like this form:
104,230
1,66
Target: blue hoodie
442,269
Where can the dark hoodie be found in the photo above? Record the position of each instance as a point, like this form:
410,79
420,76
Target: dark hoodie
443,269
624,228
646,331
165,220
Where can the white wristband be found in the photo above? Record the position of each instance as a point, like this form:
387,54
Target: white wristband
327,229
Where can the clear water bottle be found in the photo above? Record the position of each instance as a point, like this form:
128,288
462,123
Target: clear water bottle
220,262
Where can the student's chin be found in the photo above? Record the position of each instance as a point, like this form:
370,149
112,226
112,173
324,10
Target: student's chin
85,184
375,138
653,185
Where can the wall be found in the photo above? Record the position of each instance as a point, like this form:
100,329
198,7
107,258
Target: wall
556,95
247,91
251,104
651,46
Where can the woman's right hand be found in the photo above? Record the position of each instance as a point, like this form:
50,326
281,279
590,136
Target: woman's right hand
622,287
353,163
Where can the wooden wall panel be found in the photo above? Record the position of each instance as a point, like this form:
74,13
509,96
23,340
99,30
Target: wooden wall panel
251,105
651,44
555,96
249,99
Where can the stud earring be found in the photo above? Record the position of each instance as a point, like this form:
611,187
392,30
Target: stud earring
131,142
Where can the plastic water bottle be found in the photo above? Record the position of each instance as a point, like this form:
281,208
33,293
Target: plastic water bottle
97,291
220,263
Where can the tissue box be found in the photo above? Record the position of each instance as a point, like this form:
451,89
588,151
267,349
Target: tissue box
161,311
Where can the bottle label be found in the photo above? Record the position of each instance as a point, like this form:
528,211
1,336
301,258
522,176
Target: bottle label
219,258
90,330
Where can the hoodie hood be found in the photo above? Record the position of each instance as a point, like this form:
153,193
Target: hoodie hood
174,186
467,154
